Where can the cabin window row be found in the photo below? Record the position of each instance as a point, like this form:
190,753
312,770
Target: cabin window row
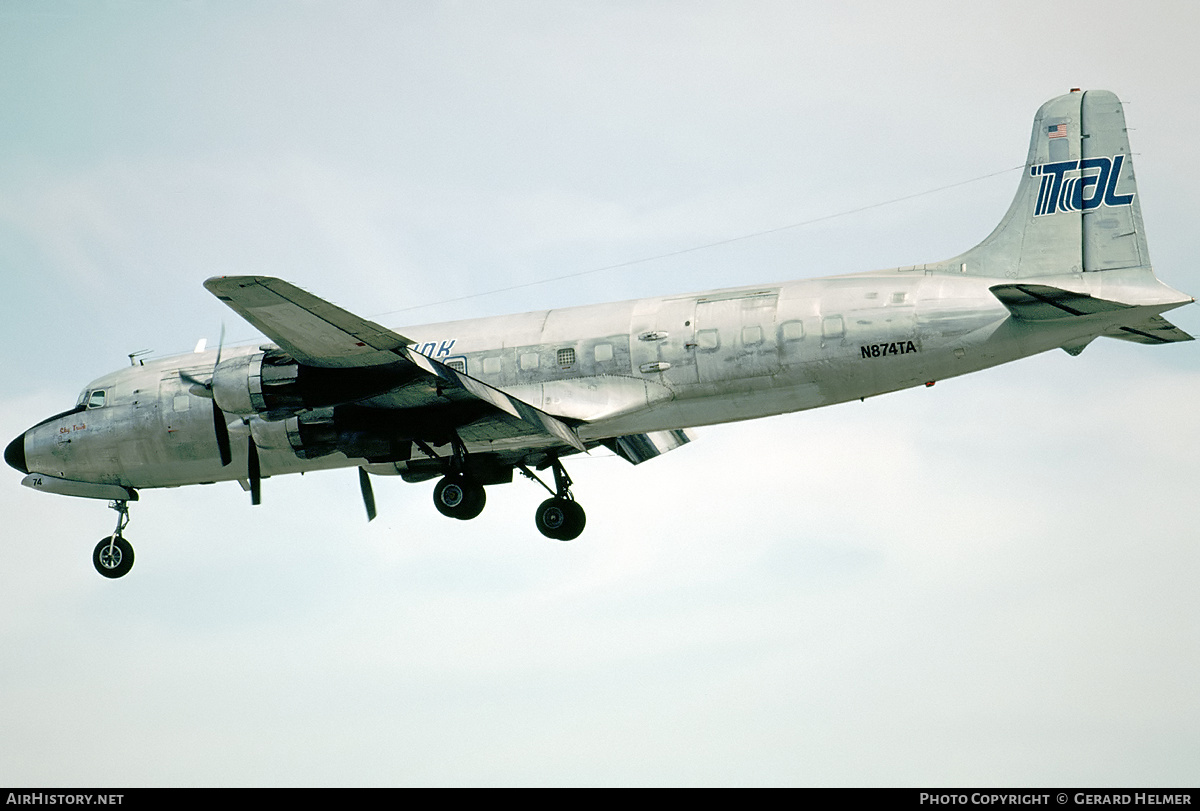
564,358
709,340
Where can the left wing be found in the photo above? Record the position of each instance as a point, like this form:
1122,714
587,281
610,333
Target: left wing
310,329
320,334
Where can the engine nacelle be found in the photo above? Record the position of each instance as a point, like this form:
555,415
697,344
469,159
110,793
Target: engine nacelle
380,437
265,383
275,386
357,433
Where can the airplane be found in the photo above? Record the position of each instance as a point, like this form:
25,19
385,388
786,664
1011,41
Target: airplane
472,402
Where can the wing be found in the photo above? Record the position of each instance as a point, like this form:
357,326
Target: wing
310,329
320,334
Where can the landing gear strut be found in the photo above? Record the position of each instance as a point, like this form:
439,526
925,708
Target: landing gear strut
560,517
113,556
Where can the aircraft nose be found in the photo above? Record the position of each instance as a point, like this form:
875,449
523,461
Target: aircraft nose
14,454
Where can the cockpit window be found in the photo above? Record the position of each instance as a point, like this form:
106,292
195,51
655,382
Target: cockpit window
96,399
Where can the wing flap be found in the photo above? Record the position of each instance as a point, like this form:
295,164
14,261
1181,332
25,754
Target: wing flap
637,448
510,405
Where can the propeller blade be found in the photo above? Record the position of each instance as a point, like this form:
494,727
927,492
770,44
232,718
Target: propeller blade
255,474
368,494
221,429
220,347
205,385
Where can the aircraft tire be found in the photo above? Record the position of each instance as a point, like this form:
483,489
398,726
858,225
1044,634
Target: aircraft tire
455,497
560,519
115,562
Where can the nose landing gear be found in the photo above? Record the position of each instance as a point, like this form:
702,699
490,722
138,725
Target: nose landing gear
113,556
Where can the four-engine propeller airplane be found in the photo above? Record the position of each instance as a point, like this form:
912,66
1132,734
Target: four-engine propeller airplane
473,401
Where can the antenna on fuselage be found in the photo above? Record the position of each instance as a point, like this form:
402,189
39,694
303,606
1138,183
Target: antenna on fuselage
133,355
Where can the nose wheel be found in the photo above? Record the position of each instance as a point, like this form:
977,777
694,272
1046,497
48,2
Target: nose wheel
113,556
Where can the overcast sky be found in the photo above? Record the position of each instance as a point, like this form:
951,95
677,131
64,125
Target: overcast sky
989,582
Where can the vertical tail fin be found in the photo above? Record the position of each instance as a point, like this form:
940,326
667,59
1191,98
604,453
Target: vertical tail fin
1077,208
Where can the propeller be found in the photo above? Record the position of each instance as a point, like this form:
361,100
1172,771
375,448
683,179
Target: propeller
255,474
368,494
204,388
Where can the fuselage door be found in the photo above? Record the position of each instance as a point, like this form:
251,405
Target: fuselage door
737,336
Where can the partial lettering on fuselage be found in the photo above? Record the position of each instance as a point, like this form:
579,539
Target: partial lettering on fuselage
434,349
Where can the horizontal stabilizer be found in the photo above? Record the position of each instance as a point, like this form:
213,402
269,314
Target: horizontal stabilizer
1040,302
1155,330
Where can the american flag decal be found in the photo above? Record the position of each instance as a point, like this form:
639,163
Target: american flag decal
1057,131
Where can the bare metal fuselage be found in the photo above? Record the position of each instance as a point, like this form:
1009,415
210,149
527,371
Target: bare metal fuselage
625,368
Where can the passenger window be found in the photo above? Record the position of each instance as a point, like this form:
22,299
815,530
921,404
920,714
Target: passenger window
832,326
708,339
751,336
491,366
793,330
529,360
604,353
96,400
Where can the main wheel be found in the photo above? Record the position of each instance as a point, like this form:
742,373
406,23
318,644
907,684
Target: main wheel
113,556
560,519
457,498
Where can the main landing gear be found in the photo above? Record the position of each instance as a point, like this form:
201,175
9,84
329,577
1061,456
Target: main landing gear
456,497
459,496
113,556
560,517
